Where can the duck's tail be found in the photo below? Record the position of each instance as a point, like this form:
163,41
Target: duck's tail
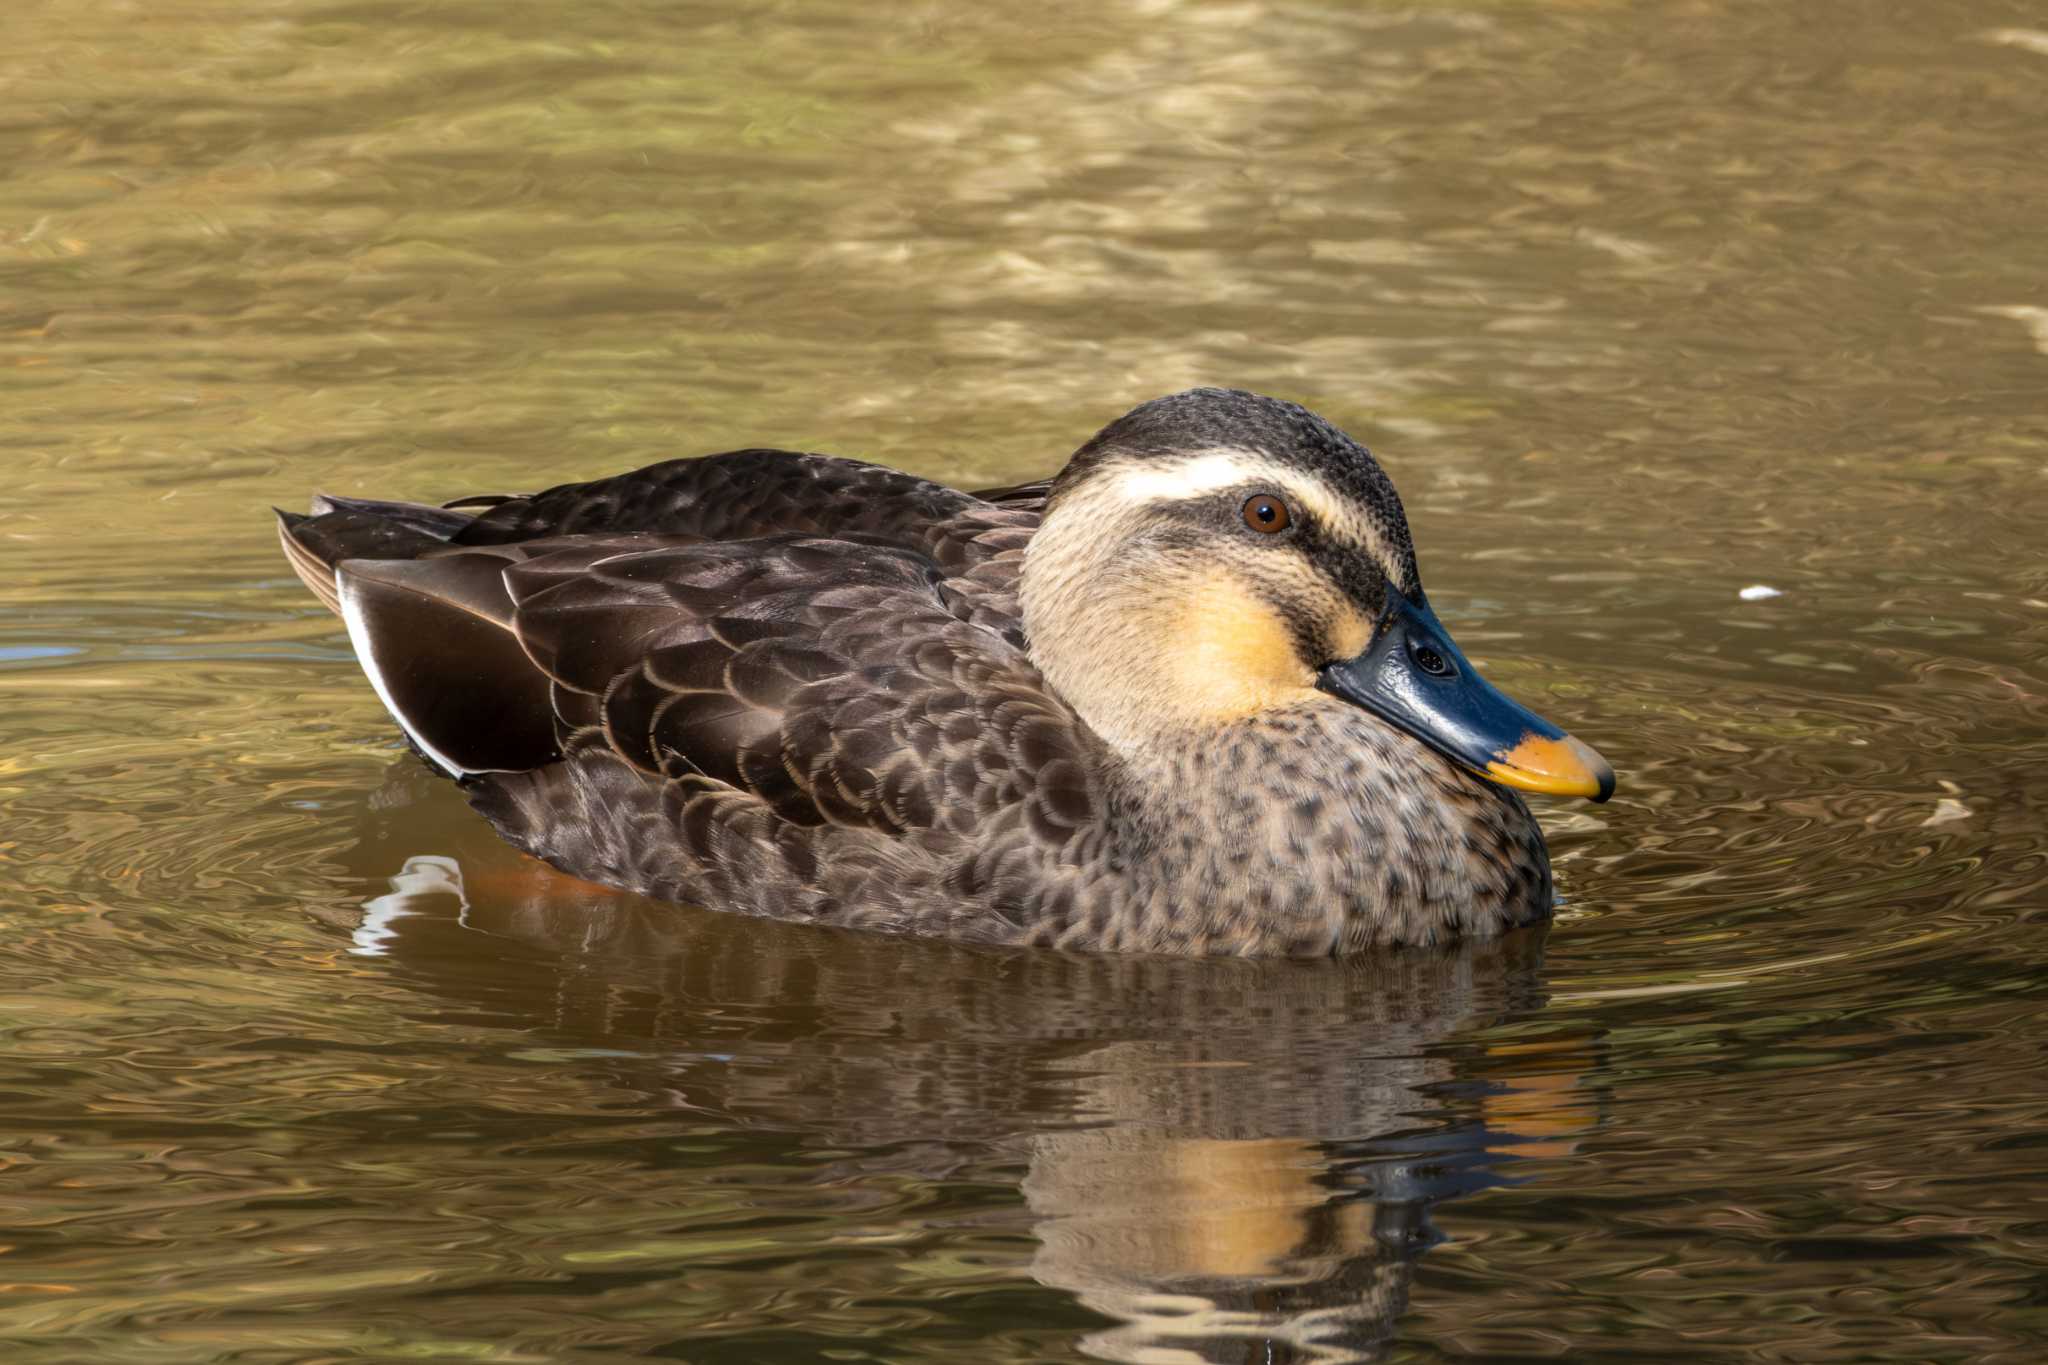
428,617
315,543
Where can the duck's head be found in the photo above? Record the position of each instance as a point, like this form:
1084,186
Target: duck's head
1214,555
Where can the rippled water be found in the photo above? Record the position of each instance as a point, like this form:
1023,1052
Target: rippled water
1640,304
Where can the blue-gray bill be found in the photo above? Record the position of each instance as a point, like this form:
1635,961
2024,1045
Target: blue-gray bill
1417,678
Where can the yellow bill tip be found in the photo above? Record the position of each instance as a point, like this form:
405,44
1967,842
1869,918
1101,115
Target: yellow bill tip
1556,767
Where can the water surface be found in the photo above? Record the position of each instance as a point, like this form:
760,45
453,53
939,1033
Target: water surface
1641,305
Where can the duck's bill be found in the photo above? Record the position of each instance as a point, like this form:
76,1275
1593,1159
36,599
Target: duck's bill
1416,678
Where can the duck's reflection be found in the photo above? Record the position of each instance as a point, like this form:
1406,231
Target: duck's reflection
1231,1160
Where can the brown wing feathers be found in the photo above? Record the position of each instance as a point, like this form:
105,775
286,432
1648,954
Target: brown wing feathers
703,659
666,678
779,682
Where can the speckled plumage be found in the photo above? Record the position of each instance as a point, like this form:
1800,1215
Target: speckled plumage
800,687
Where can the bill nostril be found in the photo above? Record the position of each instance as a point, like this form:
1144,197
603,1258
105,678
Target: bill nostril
1430,661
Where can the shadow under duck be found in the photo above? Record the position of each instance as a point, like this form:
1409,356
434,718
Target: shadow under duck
1187,696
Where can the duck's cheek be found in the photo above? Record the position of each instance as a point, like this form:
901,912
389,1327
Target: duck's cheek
1225,654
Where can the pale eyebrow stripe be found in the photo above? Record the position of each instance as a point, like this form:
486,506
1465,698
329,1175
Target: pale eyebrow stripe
1192,477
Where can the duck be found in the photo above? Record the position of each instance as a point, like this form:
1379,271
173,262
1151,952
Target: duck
1186,696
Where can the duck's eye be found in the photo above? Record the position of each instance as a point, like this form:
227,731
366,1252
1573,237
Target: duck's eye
1266,513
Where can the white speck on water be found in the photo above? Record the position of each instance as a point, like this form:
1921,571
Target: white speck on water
1757,592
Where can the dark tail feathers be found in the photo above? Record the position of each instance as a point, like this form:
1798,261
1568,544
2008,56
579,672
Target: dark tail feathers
360,528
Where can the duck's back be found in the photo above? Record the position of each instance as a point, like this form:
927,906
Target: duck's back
782,684
745,494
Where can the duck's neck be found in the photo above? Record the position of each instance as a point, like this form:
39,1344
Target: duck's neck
1314,828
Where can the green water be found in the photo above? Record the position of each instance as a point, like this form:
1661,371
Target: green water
1640,305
